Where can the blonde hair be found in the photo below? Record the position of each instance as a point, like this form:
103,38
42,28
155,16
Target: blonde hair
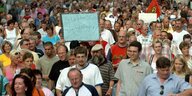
157,41
185,68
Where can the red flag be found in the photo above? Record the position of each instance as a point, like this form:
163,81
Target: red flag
154,8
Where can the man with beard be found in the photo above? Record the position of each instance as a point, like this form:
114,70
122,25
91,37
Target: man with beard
105,67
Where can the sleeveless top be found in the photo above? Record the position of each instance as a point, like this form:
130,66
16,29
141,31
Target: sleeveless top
153,64
11,35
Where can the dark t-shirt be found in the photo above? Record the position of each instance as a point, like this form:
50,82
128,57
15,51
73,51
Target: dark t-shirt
84,88
55,70
39,52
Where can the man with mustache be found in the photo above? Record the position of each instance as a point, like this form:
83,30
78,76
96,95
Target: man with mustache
105,67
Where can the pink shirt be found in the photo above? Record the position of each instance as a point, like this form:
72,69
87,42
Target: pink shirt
10,73
42,10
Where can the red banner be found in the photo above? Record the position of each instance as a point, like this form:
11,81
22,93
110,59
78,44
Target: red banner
154,8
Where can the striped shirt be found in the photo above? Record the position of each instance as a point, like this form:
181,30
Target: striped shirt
107,73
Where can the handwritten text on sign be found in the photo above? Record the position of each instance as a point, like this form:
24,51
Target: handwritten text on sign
82,27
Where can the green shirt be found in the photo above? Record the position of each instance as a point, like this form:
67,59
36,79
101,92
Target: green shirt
131,76
45,64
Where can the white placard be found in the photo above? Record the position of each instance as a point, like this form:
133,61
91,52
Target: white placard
190,5
80,26
148,17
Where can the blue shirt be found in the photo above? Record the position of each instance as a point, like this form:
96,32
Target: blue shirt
151,86
54,39
37,22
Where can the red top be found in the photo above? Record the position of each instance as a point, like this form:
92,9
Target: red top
33,66
118,53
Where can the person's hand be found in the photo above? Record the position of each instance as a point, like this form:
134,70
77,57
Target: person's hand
109,92
115,65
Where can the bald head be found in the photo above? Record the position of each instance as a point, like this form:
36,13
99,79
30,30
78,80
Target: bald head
166,22
122,37
157,34
144,30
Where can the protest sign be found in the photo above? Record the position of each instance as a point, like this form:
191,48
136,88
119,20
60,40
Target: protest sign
190,5
82,26
148,17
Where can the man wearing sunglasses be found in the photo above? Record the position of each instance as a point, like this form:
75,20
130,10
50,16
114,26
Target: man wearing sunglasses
162,83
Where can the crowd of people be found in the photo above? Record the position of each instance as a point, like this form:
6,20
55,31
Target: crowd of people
131,58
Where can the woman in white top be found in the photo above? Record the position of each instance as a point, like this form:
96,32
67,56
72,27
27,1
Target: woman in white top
58,27
157,47
10,32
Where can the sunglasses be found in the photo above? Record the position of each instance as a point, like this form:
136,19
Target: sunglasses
162,90
17,53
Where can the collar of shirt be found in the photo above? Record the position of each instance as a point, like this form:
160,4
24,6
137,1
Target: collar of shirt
134,65
77,66
155,76
79,86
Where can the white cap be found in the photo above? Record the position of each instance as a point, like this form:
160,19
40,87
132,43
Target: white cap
97,47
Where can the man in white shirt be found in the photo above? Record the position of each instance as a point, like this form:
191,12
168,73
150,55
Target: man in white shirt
91,73
106,35
178,34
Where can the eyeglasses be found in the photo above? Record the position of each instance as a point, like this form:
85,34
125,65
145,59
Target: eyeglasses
162,90
17,53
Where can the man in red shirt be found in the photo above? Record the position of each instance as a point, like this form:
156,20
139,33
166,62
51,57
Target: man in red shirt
119,50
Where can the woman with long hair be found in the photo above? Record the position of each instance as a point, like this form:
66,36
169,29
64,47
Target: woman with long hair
179,67
29,73
21,86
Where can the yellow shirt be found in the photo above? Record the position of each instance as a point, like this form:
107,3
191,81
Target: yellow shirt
169,30
5,60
